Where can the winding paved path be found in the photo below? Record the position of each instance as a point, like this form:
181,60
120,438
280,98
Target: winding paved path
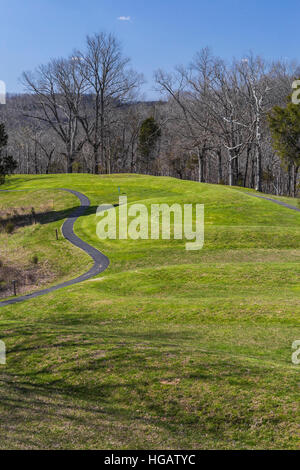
281,203
101,261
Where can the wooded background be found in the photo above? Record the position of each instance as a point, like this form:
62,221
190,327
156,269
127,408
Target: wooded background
212,124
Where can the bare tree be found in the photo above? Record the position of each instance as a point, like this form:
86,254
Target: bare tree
209,97
110,82
213,124
58,89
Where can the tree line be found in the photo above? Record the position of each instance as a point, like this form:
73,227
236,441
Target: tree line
217,122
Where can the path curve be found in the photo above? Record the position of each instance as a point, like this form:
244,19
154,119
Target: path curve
281,203
101,261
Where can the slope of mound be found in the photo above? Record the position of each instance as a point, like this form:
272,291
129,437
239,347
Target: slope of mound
167,348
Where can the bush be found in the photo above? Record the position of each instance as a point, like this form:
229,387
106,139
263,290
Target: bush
35,259
9,227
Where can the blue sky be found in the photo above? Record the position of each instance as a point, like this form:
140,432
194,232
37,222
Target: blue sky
159,33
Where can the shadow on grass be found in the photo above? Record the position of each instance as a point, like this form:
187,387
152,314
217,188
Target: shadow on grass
20,220
129,385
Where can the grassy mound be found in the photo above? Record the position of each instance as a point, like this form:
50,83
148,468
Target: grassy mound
30,253
168,348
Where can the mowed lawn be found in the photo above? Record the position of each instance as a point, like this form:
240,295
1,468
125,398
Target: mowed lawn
168,348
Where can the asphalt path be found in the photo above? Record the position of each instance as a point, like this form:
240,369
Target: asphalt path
281,203
101,261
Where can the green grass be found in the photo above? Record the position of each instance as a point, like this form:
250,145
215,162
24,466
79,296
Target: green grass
293,201
39,239
167,348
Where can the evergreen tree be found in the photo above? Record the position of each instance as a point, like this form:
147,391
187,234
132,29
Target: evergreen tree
148,137
285,130
7,163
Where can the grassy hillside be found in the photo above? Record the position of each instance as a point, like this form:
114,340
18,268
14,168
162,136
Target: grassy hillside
29,254
168,348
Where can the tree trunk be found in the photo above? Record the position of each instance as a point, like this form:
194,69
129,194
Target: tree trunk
108,171
232,168
258,168
201,156
69,166
236,169
100,162
220,174
295,177
289,181
97,165
70,161
132,158
247,164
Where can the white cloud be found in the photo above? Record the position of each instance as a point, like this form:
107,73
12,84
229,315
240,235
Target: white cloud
124,18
